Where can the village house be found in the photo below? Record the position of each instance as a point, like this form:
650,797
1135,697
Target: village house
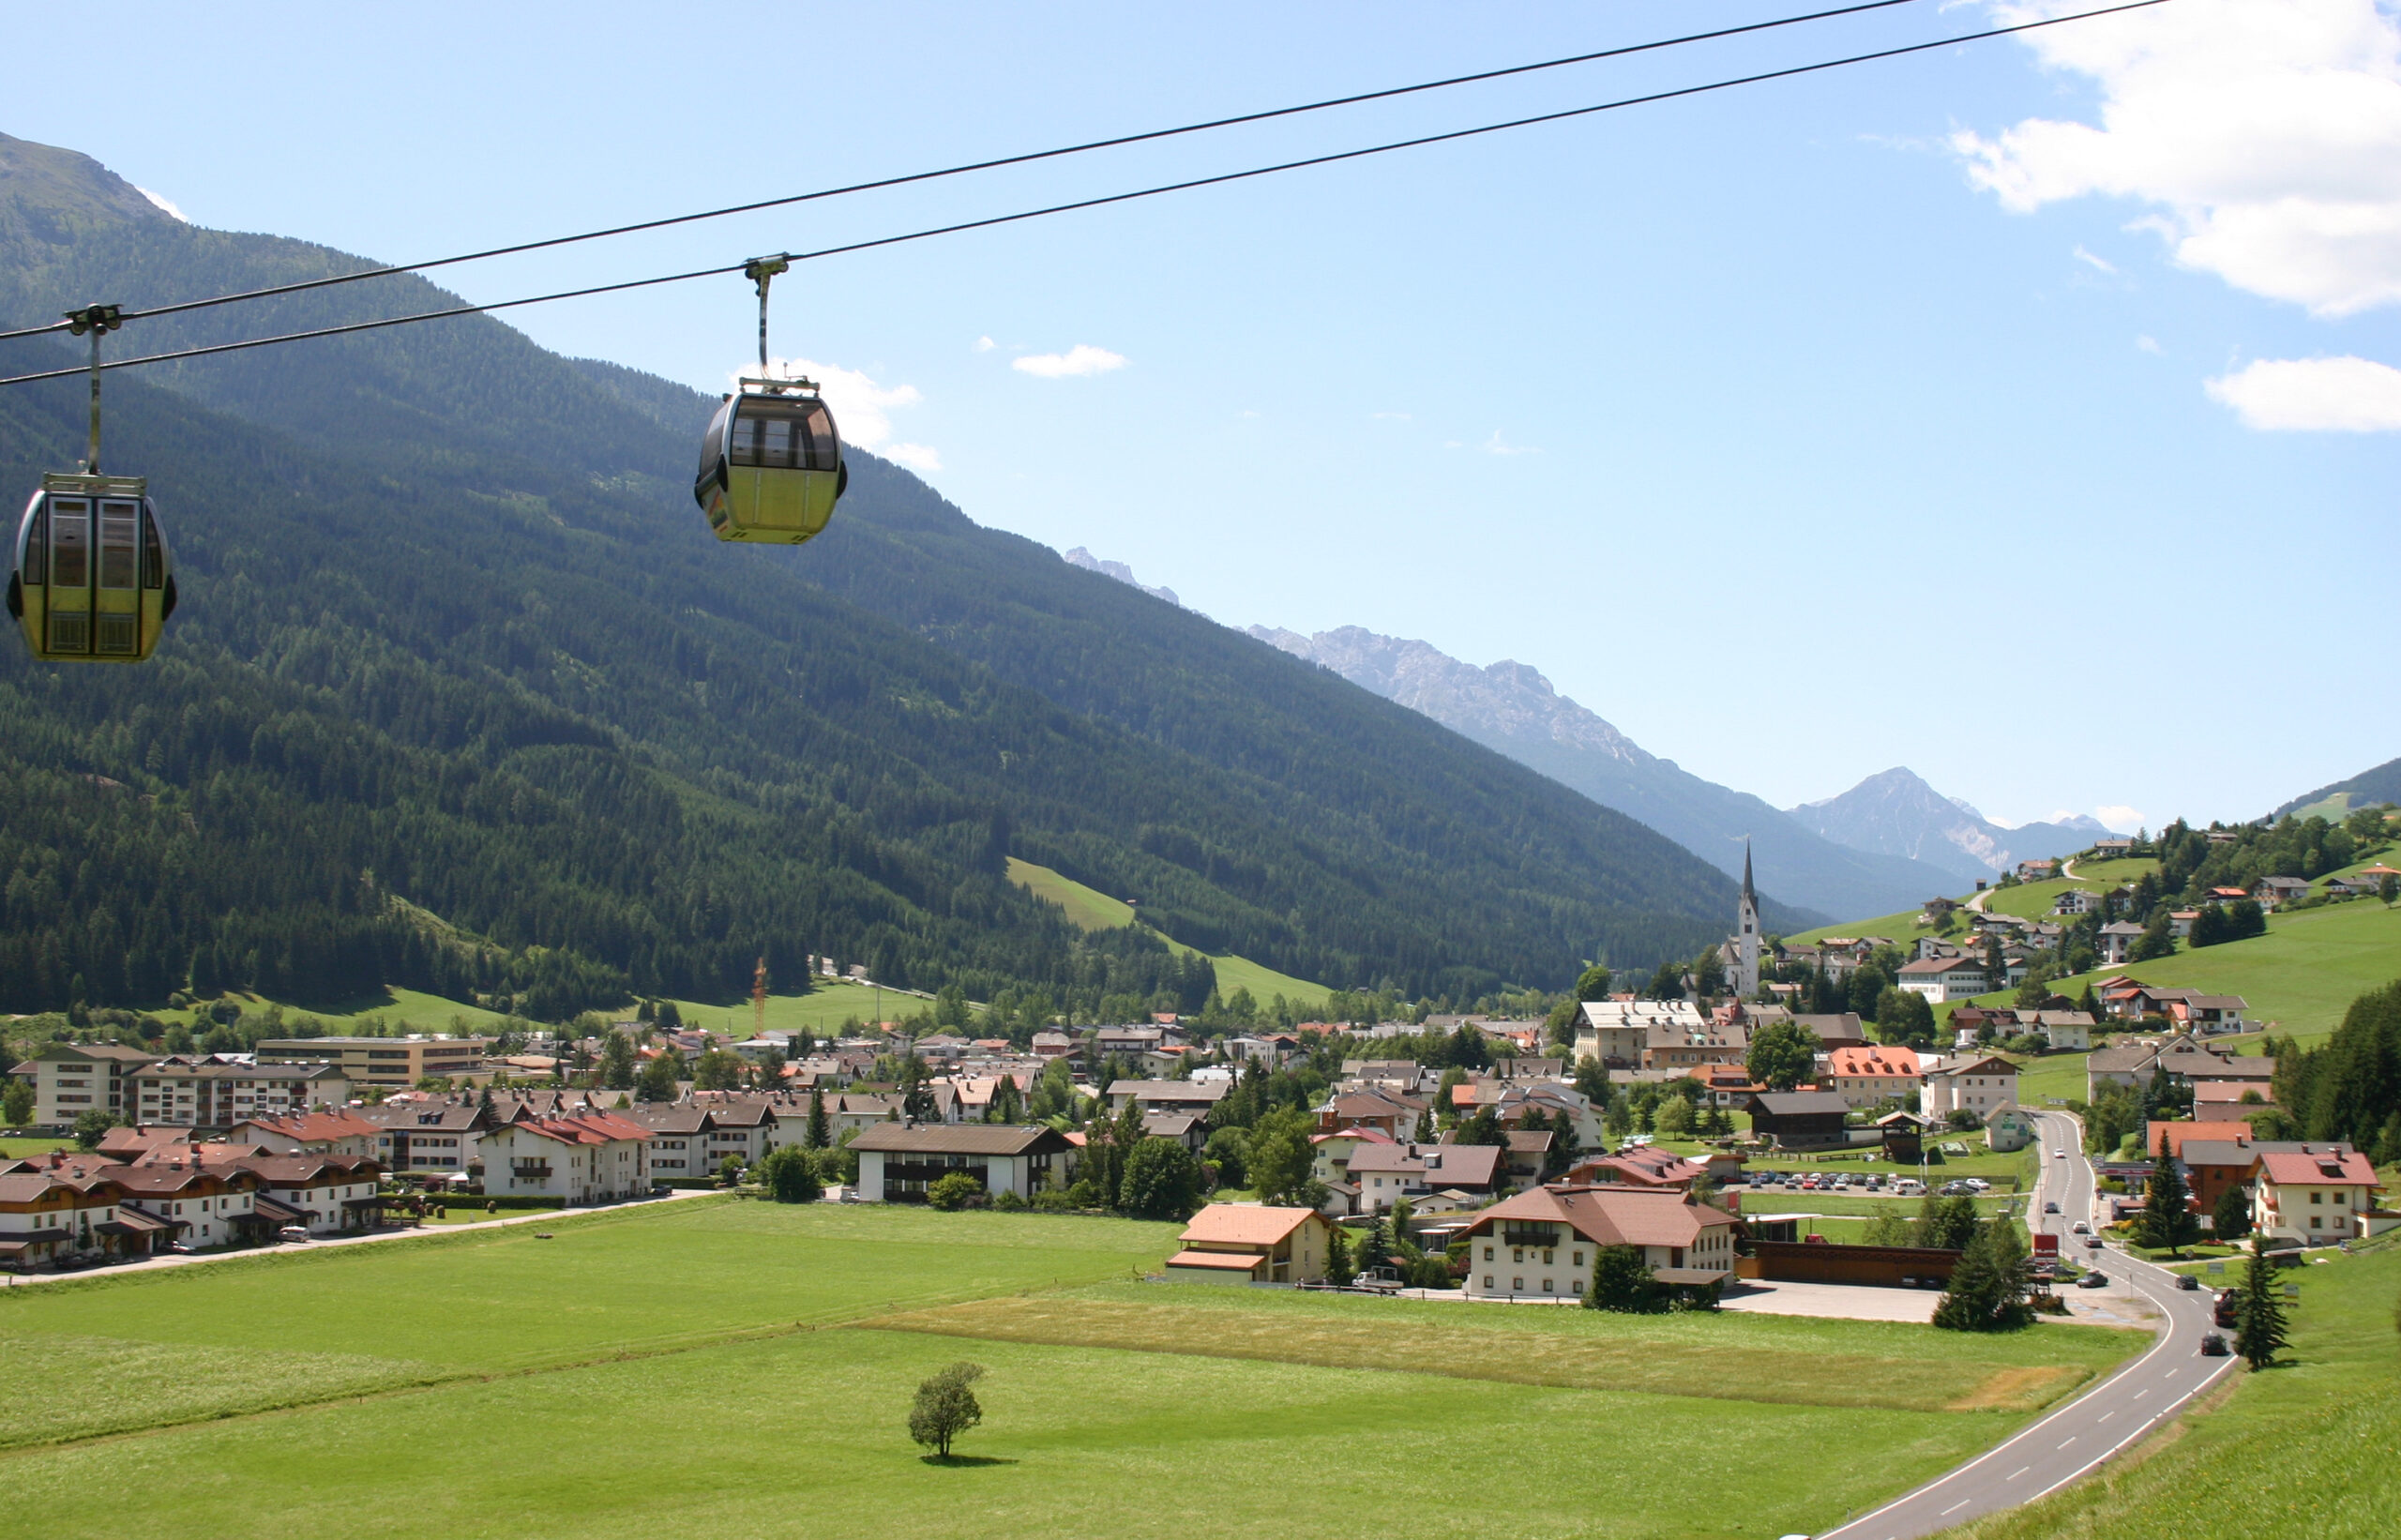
430,1136
1252,1243
590,1157
2076,901
898,1162
1330,1154
212,1206
2184,1060
2069,1031
213,1093
1841,1030
46,1214
1385,1111
2117,940
2314,1194
1863,1077
338,1132
1678,1045
1945,978
2008,1129
1616,1032
324,1195
2275,892
1199,1097
1386,1173
1541,1244
1974,1084
73,1078
1799,1120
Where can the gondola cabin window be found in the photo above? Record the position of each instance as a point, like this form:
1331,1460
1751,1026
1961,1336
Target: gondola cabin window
70,543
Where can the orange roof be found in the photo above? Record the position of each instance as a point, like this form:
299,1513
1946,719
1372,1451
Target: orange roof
2233,1133
1244,1224
1887,1063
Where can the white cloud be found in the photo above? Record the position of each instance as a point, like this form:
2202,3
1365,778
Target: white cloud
1494,446
984,344
860,406
2123,820
164,205
1391,417
2101,263
1082,359
2342,394
2268,136
2148,344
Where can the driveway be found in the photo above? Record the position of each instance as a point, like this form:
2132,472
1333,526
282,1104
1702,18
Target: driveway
1841,1301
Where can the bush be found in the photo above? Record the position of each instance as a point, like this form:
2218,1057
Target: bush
954,1191
1052,1200
1007,1201
791,1176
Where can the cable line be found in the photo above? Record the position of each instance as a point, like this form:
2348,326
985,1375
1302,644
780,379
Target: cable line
1103,201
1026,159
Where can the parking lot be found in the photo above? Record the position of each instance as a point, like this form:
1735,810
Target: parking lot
1840,1301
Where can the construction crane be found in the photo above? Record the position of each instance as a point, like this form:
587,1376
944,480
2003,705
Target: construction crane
759,1001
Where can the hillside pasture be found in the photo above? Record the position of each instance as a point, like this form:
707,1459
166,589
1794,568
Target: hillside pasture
1094,910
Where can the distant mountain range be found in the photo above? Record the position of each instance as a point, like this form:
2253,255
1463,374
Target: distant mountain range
2365,790
1090,562
1511,708
1896,813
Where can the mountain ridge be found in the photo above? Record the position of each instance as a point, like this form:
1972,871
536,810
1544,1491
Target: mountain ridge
1512,708
1895,812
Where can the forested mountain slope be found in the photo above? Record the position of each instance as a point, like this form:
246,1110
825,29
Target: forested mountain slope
453,634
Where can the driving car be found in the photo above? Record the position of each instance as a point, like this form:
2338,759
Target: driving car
2050,1208
2094,1279
2059,1154
2092,1243
2186,1280
2078,1228
2213,1345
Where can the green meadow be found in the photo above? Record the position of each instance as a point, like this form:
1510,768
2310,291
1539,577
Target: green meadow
2304,1449
1094,910
721,1365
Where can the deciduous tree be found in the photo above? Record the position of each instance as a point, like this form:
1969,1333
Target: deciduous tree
1782,1056
946,1407
1622,1283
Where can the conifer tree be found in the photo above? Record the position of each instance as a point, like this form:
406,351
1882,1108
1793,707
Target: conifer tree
2168,1217
2259,1324
820,1132
1622,1283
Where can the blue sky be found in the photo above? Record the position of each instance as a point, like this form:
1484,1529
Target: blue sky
2022,414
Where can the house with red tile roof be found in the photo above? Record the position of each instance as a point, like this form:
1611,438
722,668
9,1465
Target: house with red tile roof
1253,1242
2313,1194
591,1157
1863,1077
1541,1244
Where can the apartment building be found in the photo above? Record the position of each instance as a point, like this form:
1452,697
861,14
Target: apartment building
73,1078
393,1063
209,1093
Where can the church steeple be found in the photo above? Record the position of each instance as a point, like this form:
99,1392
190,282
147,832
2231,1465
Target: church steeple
1749,896
1747,935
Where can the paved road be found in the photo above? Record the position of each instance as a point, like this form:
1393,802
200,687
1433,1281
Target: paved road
2076,1437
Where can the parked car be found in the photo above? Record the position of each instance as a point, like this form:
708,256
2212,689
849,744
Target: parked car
2213,1345
180,1248
293,1233
2094,1279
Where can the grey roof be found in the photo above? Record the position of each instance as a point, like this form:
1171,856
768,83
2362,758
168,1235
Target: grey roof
1794,1103
1170,1090
983,1138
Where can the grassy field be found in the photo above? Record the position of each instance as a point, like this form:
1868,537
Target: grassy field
2300,1450
2302,975
402,1010
647,1280
1902,927
725,1367
1096,911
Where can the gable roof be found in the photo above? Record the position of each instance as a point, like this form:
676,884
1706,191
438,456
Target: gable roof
1611,1217
2329,1170
1245,1224
983,1138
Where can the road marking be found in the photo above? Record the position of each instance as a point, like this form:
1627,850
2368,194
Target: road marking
1954,1508
2019,1472
2071,1439
2104,1416
2170,1375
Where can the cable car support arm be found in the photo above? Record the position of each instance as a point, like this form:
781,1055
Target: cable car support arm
99,320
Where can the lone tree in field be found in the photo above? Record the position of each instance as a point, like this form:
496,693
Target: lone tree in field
1987,1288
2260,1322
946,1408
